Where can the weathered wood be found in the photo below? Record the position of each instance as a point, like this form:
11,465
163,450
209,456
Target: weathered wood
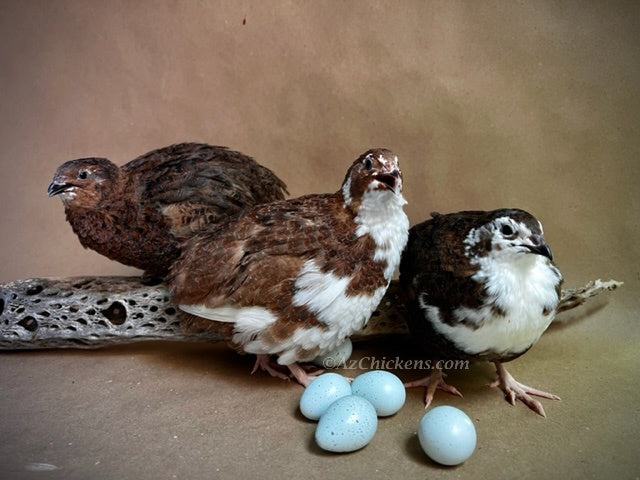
574,297
87,312
92,312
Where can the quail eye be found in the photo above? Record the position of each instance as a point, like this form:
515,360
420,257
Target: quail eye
506,229
83,174
368,164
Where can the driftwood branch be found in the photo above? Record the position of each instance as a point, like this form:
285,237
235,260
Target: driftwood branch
92,312
574,297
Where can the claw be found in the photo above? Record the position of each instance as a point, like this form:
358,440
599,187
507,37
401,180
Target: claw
300,373
514,390
433,381
302,376
265,364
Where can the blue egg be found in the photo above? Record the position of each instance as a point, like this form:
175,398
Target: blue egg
383,389
447,435
322,392
348,425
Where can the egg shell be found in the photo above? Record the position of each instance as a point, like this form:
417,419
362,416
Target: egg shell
336,357
383,389
447,435
348,425
322,392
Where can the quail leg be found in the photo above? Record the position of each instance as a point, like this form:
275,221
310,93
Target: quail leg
264,363
433,381
514,390
304,378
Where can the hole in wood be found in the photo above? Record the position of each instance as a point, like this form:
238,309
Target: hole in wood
81,284
116,313
34,289
29,323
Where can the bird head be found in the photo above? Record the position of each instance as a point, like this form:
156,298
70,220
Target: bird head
510,234
84,182
375,170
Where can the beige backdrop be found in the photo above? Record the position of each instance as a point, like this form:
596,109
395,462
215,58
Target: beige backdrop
488,104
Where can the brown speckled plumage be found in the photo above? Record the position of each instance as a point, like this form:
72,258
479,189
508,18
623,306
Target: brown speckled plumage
138,214
279,237
259,259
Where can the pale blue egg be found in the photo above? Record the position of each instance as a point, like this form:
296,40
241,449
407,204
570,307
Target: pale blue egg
383,389
348,425
322,392
447,435
335,358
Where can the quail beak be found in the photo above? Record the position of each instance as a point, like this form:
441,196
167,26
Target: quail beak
389,179
56,188
539,247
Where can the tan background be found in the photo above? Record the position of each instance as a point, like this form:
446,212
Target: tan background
488,104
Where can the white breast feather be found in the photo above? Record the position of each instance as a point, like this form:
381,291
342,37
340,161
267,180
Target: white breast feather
522,290
381,216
